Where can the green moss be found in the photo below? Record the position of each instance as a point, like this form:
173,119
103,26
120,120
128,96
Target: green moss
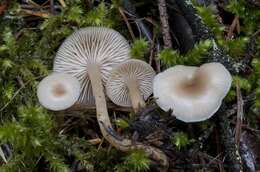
181,140
193,57
139,49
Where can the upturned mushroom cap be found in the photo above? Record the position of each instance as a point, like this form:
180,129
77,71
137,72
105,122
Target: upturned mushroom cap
58,91
122,76
192,93
90,46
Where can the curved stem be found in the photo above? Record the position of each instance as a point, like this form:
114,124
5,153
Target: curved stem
135,95
106,128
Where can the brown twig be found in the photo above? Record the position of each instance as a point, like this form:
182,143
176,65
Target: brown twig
3,6
121,11
240,114
165,24
233,27
152,53
36,13
246,127
96,141
100,144
62,2
33,3
52,6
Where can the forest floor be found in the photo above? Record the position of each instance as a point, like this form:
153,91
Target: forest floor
163,33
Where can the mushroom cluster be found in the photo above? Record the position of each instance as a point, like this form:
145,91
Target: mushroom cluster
95,60
91,55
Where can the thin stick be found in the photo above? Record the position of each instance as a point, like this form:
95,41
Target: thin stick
164,24
245,127
151,58
3,6
36,13
33,3
62,2
52,6
232,28
121,11
95,141
2,155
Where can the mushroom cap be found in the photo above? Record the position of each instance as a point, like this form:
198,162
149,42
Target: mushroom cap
58,91
100,46
129,71
193,93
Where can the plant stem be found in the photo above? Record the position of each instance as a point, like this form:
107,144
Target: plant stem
135,95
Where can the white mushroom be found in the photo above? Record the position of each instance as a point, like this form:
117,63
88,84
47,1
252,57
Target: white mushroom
130,84
58,91
192,93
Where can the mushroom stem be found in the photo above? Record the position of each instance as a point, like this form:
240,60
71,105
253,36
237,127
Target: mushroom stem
106,128
100,100
135,95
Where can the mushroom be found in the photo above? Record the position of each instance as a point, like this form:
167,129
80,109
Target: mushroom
130,83
192,93
90,54
58,91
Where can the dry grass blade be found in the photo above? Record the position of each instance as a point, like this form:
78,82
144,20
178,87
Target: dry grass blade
36,13
96,141
33,3
234,25
2,155
121,11
62,2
